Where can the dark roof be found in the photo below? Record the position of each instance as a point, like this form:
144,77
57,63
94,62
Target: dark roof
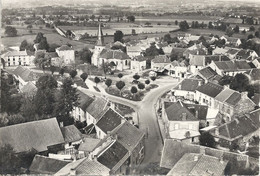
139,58
51,54
89,144
255,74
97,108
161,59
207,72
64,47
45,165
202,110
36,134
233,51
210,58
129,136
197,60
210,89
113,155
232,65
109,121
71,133
198,164
234,98
188,84
177,111
114,54
25,73
84,100
244,54
29,88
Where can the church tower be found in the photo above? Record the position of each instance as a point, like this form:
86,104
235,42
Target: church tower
98,48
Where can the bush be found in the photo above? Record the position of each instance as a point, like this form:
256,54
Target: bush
97,89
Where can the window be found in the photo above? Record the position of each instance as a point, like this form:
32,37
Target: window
176,126
125,62
192,139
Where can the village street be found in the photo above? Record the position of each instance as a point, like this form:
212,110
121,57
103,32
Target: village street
148,121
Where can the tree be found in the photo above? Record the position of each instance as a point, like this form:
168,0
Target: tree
206,139
10,31
250,36
44,98
53,46
84,76
52,69
73,73
147,81
176,22
23,45
133,32
29,26
184,26
120,85
153,78
133,90
120,75
61,72
229,31
257,34
236,29
66,100
167,38
136,77
210,25
41,60
141,86
118,36
153,51
108,82
28,109
43,45
225,80
251,28
38,37
96,80
85,55
9,163
131,18
239,83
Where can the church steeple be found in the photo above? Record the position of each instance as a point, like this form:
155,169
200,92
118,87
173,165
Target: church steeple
100,40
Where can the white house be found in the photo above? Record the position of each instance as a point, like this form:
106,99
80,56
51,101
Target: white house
15,58
159,62
138,63
67,54
178,69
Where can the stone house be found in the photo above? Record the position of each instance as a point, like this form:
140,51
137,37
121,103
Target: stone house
138,63
67,54
16,58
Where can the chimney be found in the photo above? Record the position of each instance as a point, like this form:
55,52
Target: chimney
217,131
197,115
221,160
108,133
95,158
115,136
180,86
61,124
197,52
72,171
184,116
199,83
196,158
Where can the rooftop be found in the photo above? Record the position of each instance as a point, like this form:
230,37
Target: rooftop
25,73
71,133
207,73
232,65
89,144
188,84
64,47
84,100
161,59
210,89
97,108
114,54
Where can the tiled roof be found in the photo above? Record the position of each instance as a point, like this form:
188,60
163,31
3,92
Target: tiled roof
97,108
224,95
255,74
178,112
197,60
51,54
210,58
202,110
188,84
114,54
89,144
71,133
129,136
16,53
84,166
161,59
37,134
139,58
25,73
207,73
210,89
84,100
220,50
233,51
44,165
64,47
234,98
198,164
133,48
232,65
113,155
29,88
254,116
109,121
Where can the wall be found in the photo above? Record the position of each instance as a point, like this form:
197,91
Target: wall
14,60
78,114
204,99
138,66
68,56
189,125
186,94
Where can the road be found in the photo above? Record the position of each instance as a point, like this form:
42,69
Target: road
147,117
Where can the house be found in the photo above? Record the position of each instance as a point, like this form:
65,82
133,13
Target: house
24,75
230,103
42,136
197,62
96,109
244,54
159,62
133,51
138,63
88,146
117,59
198,164
211,58
178,69
72,137
256,62
196,49
45,165
253,75
180,122
209,75
67,54
239,130
167,50
55,59
220,51
232,52
186,88
230,68
108,122
15,58
173,151
206,93
79,113
29,89
84,166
